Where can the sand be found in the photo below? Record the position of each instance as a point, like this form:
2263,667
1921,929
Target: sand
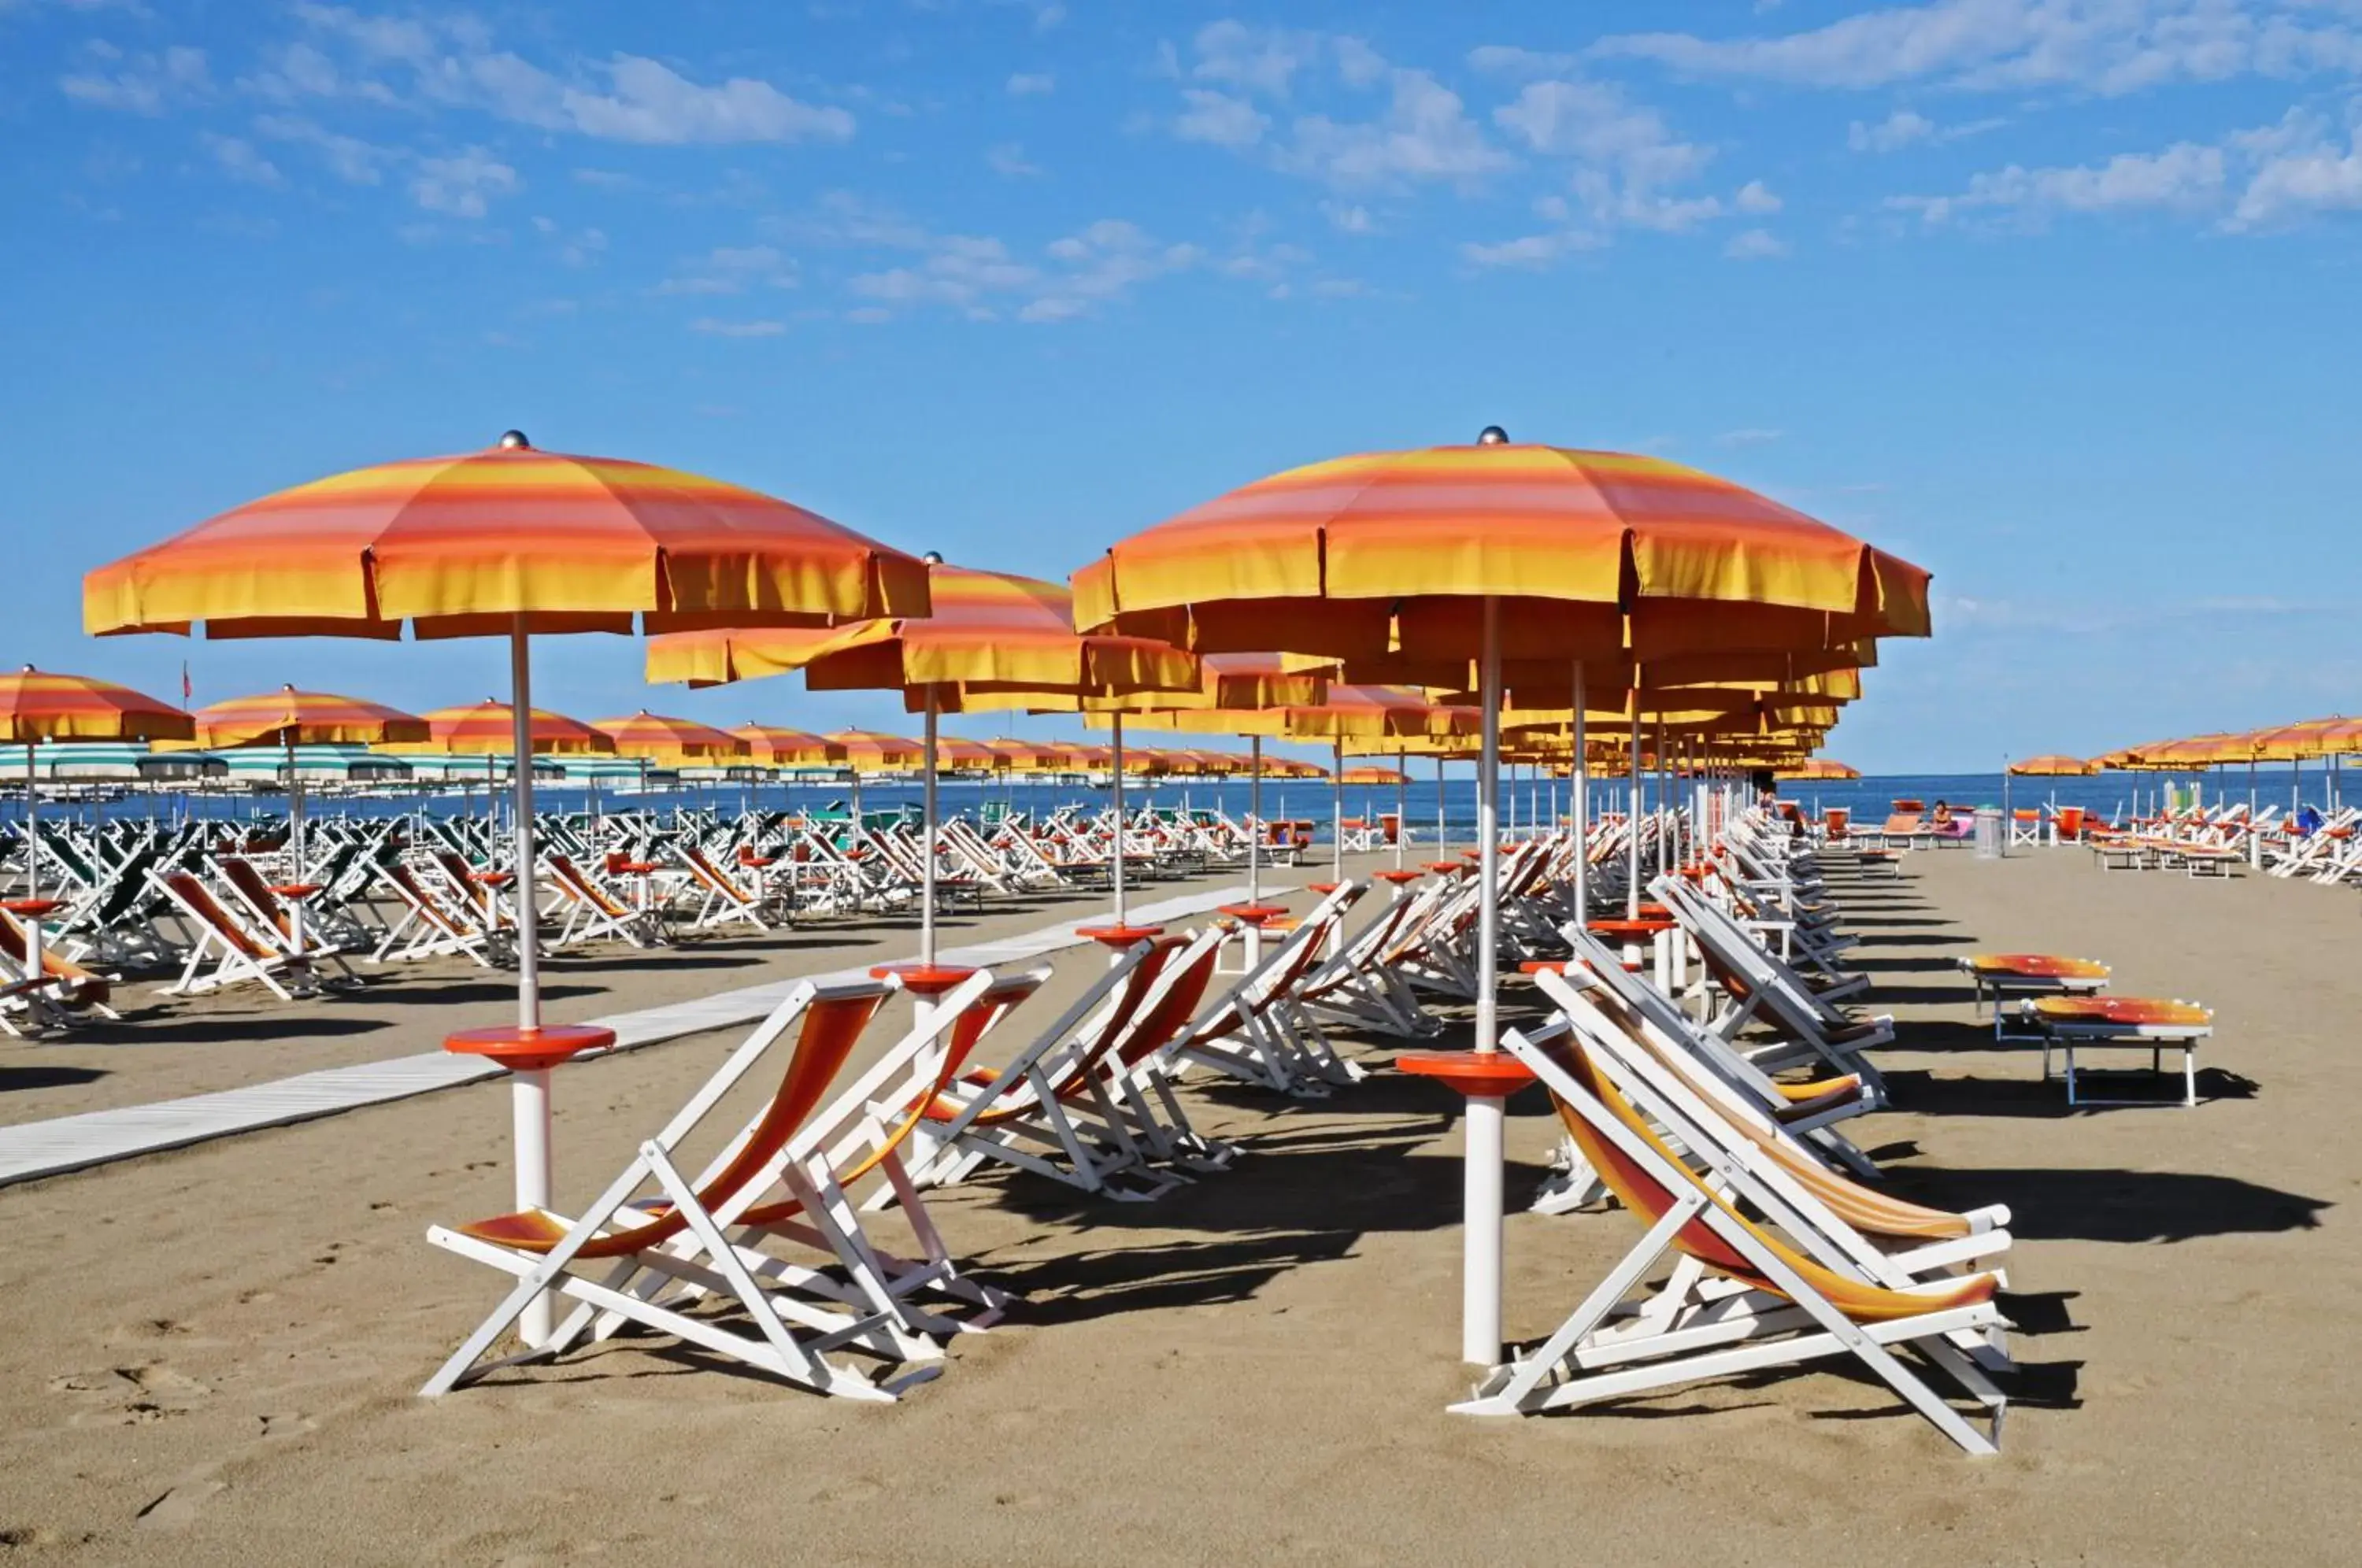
212,1354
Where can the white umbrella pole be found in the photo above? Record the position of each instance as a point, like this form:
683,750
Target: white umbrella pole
1402,805
1632,826
1254,818
294,837
1480,1302
33,962
1443,833
1115,866
1580,804
529,1090
1337,811
927,843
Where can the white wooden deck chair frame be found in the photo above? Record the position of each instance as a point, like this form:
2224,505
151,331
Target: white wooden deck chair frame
1602,1351
794,1337
221,939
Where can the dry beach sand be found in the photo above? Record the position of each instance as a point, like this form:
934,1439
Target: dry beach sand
212,1354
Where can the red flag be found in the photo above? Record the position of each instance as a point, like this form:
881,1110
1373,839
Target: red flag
187,691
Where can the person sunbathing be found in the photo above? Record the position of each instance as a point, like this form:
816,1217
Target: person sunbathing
1943,817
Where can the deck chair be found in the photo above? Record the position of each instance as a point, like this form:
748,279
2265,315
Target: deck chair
1257,1032
1846,1226
428,926
721,898
1049,1109
272,919
1791,1309
864,1130
218,937
64,992
794,1338
1360,989
591,912
1759,985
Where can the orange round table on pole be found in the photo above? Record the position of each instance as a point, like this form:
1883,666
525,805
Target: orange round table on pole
1119,940
1480,1074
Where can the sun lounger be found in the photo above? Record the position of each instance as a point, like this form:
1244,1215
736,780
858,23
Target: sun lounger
2138,1023
236,952
1997,977
1790,1307
591,912
63,993
1257,1032
429,926
795,1338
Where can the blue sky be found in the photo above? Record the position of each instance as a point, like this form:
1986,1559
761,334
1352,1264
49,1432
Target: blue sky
2053,296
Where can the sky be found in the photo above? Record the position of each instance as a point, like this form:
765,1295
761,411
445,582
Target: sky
2054,297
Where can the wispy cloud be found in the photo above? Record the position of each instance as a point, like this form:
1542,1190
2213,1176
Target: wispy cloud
713,326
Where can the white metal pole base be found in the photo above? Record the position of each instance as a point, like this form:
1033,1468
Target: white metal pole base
1479,1272
529,1110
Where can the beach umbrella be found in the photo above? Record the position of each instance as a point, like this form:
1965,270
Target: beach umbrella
777,747
989,641
288,718
2052,765
1471,555
1818,771
506,542
39,705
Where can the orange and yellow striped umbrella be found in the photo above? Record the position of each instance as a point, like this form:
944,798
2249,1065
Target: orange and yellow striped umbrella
2053,765
660,739
1027,756
2301,742
1590,556
867,751
488,729
1819,770
38,705
288,717
460,545
788,749
1374,777
992,640
968,755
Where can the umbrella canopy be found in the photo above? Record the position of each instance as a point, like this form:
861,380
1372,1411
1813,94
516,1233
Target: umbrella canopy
2302,742
1027,756
1373,776
968,754
2053,765
991,640
458,546
867,751
1590,555
288,717
1820,769
40,704
788,748
1478,554
488,729
661,739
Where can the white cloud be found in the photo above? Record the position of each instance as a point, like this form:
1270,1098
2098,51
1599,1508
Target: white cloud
239,159
1028,84
731,269
451,60
1241,79
1897,130
1624,157
1219,119
712,326
1756,197
146,83
350,159
1750,436
1755,245
1349,217
2185,177
464,185
2101,46
986,278
1008,159
1532,250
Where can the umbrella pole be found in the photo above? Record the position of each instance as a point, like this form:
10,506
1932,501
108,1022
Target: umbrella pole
1337,809
34,969
1402,804
529,1093
1632,825
294,838
1480,1302
1442,833
1115,865
1254,828
1579,805
927,842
